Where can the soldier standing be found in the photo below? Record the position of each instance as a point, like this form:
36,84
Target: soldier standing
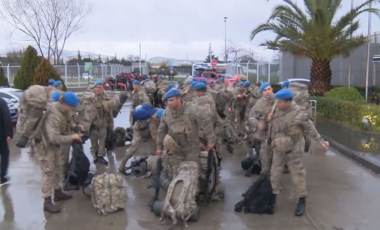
55,131
179,130
288,126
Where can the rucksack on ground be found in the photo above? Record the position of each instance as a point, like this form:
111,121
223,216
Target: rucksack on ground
258,198
77,173
109,193
252,164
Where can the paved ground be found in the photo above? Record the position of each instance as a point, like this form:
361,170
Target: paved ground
342,195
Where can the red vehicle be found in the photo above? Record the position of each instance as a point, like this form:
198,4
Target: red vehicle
209,75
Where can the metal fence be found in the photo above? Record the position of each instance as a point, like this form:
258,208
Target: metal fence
75,75
257,71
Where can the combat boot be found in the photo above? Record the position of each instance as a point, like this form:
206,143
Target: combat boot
59,195
49,206
272,207
300,210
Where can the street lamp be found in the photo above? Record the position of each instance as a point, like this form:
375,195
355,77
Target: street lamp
225,39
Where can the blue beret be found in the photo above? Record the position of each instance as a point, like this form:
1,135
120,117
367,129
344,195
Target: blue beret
97,82
143,111
159,113
172,93
169,86
57,83
285,84
284,94
199,85
51,81
193,83
239,84
263,86
202,79
70,98
55,96
136,82
246,83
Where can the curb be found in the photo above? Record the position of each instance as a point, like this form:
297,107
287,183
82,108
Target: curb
354,155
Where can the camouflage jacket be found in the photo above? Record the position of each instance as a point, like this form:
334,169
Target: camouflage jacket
184,126
258,114
292,122
139,97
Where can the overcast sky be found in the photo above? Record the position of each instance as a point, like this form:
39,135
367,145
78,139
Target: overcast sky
170,28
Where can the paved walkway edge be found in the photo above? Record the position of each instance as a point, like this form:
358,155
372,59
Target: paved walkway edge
353,155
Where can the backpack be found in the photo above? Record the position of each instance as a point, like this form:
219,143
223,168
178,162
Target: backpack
258,198
252,163
180,201
110,139
109,194
120,136
77,173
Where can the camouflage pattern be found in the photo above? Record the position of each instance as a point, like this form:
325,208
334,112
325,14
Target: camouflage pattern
109,193
32,104
144,131
187,94
240,107
150,88
287,130
183,128
180,201
56,131
139,97
120,133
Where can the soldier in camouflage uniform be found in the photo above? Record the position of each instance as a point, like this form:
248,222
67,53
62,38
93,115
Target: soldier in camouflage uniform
103,120
288,126
144,130
240,107
139,96
258,123
179,132
54,132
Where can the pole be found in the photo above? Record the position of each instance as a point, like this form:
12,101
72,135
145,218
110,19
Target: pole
257,72
78,74
8,74
225,39
350,59
374,73
368,52
140,60
66,73
248,69
269,72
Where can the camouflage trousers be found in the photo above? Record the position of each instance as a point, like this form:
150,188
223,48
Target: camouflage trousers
65,155
297,170
51,168
98,136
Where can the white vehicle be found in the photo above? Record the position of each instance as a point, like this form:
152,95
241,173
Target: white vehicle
12,94
298,80
86,76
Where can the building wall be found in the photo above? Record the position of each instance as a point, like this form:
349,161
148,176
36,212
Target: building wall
299,67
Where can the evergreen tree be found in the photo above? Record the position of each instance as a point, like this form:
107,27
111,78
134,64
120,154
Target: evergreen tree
3,79
29,62
44,72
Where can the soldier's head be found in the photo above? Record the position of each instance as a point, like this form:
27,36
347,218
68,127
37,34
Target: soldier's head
173,98
266,90
51,82
136,84
98,87
58,85
199,88
143,111
284,98
69,101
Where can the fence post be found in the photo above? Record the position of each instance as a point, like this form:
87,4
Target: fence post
8,74
258,72
66,73
269,72
78,74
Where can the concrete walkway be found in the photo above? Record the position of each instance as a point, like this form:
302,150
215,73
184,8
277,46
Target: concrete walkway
342,195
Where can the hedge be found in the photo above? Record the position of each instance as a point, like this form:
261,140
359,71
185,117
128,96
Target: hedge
349,112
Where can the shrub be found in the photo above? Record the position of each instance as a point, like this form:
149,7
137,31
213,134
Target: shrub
44,72
3,79
349,112
29,62
345,93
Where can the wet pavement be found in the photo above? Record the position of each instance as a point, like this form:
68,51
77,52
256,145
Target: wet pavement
342,195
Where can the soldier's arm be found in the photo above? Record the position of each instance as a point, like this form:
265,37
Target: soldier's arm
52,126
153,125
203,117
161,132
302,118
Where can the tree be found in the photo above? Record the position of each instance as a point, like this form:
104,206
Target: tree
49,23
3,79
12,57
29,63
317,33
44,72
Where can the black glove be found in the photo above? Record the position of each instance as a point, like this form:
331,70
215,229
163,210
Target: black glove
22,141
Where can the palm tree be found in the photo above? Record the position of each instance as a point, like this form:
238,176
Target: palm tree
316,33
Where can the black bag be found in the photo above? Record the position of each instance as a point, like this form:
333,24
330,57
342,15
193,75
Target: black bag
77,173
252,163
258,198
110,139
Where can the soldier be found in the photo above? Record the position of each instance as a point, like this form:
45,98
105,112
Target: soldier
258,123
58,85
55,131
138,95
103,120
288,125
179,132
240,106
144,130
51,83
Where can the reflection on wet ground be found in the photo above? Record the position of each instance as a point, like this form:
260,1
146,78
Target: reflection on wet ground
342,195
